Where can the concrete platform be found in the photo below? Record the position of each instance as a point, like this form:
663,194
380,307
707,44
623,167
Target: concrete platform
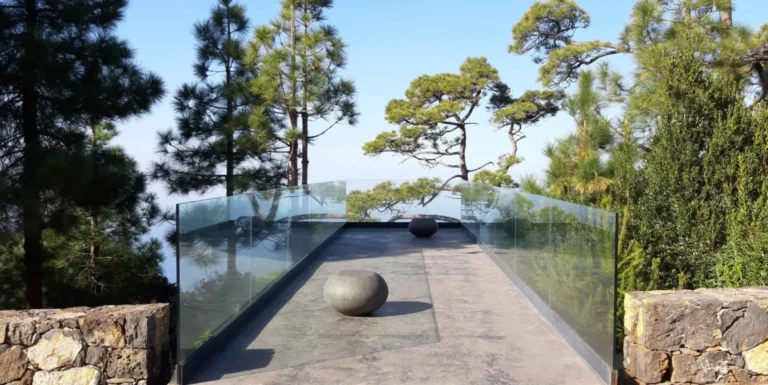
452,317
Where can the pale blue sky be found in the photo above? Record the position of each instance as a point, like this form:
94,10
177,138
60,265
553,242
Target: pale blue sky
390,43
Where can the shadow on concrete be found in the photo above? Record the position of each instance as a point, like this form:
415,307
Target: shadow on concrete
351,244
397,308
248,359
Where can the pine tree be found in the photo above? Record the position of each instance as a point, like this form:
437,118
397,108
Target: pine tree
96,225
513,114
577,171
61,67
216,143
547,30
298,58
434,117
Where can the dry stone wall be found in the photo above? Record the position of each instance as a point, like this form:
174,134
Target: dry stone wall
704,336
127,344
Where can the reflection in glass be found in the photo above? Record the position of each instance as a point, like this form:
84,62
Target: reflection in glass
562,251
231,249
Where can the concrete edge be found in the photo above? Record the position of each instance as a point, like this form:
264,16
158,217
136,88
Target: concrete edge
217,343
397,225
603,370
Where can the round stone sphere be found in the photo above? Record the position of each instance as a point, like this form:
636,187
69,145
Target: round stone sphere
423,227
355,292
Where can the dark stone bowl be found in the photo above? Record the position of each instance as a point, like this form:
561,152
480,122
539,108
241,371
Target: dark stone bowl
423,227
355,292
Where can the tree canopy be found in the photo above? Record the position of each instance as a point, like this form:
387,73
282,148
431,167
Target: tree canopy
299,58
216,143
62,70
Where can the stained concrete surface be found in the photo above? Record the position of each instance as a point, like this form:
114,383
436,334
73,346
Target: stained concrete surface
452,317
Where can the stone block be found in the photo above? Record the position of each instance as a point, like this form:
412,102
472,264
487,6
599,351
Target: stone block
68,318
748,329
121,381
75,376
13,363
707,368
133,363
147,326
103,329
643,364
756,359
96,356
737,360
46,325
739,375
22,332
56,349
26,380
677,320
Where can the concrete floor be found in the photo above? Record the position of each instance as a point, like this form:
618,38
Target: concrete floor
452,317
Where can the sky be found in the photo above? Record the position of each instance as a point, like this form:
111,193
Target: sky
390,43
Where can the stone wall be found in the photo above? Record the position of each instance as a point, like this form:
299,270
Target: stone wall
81,346
705,336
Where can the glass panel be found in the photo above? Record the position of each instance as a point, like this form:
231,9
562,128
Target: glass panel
564,252
231,249
583,244
532,242
373,200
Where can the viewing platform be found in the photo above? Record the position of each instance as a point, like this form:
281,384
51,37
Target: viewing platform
496,296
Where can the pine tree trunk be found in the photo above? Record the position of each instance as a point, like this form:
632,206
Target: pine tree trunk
33,233
304,115
93,255
293,151
304,148
294,103
230,174
462,154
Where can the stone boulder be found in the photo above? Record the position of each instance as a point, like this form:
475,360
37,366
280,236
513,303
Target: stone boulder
355,292
423,227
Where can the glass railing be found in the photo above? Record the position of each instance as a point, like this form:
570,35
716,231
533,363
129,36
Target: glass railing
232,248
564,252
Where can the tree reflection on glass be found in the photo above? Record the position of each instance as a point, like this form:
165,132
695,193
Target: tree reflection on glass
393,201
272,231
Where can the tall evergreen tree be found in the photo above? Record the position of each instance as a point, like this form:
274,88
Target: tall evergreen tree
96,225
547,29
298,58
60,67
217,141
